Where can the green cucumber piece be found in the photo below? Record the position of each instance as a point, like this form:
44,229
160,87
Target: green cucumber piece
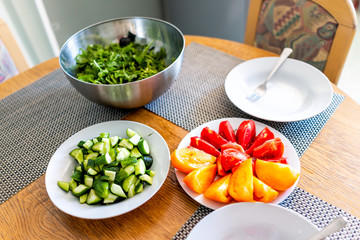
131,191
101,188
135,153
143,147
128,161
130,132
139,188
128,182
92,172
88,144
124,173
110,174
73,184
80,190
77,153
122,153
110,199
77,176
104,135
146,178
103,159
64,185
126,144
92,197
98,147
148,161
83,198
114,140
151,173
92,155
88,180
135,139
140,167
117,190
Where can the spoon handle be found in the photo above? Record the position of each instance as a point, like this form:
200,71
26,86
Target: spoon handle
334,226
284,54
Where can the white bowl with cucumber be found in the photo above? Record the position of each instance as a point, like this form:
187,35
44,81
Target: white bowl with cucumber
107,169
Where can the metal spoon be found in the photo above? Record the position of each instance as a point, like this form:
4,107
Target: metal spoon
337,224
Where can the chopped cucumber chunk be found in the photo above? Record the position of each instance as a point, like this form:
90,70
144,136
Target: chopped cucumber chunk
117,190
144,147
122,153
114,140
135,139
64,185
92,197
130,132
135,153
140,167
146,178
80,190
77,154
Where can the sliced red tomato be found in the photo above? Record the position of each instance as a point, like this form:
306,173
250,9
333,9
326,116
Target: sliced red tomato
232,145
232,157
262,137
201,144
220,169
227,131
245,134
270,149
212,137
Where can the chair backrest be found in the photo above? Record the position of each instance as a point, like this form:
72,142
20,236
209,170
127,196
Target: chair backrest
319,31
12,60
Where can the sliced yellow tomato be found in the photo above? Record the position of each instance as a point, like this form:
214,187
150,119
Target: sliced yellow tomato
279,176
218,190
200,179
241,186
188,159
262,192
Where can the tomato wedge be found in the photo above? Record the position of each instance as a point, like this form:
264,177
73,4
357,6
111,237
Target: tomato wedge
212,137
271,149
227,131
232,157
245,134
262,137
201,144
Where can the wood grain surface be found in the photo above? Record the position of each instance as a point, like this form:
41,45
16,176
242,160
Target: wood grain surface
329,170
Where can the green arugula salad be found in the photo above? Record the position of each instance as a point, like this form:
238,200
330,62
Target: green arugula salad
118,63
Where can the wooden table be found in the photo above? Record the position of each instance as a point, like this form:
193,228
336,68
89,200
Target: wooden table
330,171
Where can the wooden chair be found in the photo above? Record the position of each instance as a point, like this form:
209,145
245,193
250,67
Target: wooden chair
319,31
10,54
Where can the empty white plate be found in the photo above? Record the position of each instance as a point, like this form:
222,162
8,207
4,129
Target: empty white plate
296,92
253,221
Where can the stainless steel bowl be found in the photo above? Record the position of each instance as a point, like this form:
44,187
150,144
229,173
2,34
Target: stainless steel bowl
128,95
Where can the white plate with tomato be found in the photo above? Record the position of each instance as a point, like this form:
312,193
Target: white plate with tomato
260,141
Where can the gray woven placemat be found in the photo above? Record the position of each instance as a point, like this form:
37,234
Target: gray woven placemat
35,121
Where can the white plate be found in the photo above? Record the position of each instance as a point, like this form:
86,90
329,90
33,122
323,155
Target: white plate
253,221
61,166
289,153
297,91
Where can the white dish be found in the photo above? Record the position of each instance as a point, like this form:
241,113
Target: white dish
61,166
289,153
253,221
297,91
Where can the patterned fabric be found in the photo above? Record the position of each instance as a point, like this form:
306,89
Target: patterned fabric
302,25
